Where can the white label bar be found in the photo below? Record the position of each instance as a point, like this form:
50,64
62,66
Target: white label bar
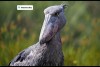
24,7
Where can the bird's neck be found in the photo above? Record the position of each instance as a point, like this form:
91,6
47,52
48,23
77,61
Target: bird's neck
56,38
54,49
51,51
55,42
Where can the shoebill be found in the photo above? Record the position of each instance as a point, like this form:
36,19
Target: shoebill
48,50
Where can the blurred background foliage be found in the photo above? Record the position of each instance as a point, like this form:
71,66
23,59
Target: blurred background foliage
80,36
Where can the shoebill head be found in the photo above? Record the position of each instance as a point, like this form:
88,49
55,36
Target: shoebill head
54,21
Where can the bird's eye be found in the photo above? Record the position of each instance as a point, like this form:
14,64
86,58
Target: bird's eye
56,14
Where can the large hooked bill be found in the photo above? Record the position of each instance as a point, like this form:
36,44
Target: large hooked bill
49,29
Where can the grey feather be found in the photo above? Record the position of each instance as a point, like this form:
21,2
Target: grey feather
48,51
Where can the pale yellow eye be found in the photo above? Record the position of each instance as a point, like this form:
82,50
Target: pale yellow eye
56,14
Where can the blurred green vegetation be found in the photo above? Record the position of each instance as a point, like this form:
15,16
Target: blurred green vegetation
80,36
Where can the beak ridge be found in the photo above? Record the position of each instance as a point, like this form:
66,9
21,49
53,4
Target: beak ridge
49,30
